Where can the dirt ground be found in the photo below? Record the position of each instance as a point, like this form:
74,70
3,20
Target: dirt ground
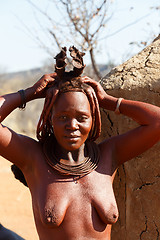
15,204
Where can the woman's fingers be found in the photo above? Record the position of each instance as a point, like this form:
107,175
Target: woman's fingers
86,79
49,78
44,83
94,84
90,82
101,94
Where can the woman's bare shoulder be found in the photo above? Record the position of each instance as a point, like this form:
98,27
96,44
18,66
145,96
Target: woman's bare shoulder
17,148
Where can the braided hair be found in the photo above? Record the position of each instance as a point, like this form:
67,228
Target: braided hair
65,82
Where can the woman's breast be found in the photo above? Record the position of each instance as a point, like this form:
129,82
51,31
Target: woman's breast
102,198
52,204
106,207
55,200
53,212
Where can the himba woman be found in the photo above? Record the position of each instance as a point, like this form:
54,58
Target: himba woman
70,176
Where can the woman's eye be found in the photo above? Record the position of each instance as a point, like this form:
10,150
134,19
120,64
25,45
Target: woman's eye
82,118
62,118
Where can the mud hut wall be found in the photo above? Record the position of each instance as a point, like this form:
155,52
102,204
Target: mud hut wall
137,182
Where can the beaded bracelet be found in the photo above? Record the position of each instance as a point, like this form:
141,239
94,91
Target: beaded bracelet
23,99
118,105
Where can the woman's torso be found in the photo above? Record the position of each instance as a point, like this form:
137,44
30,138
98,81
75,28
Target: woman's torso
69,208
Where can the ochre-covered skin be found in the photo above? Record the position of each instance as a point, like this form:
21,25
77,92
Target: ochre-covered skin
82,209
65,207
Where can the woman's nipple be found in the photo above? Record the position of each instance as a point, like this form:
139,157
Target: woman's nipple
49,219
51,216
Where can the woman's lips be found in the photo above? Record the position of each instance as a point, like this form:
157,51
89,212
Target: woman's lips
72,137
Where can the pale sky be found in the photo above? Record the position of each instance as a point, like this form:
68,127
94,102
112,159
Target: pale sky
20,52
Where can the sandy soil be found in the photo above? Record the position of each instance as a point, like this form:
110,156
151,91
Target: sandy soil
15,204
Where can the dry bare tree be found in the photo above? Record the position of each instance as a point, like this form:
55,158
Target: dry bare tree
82,23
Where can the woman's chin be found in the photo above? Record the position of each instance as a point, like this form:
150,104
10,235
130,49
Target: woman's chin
71,145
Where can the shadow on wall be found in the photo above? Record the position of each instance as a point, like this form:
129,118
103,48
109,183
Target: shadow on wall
6,234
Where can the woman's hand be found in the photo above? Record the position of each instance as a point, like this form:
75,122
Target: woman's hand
101,94
105,100
43,84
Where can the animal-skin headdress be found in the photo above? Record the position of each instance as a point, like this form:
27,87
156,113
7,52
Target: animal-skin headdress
77,62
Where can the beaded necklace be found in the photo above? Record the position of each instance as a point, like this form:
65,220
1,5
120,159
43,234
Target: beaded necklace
88,164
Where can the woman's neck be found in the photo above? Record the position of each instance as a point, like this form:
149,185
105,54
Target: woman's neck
70,157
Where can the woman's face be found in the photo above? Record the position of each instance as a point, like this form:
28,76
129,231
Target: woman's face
71,120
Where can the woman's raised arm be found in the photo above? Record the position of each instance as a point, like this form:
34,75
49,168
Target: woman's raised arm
13,146
135,141
140,139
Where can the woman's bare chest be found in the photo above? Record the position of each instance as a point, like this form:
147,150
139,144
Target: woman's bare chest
57,198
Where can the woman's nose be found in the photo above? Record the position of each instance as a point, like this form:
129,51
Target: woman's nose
72,124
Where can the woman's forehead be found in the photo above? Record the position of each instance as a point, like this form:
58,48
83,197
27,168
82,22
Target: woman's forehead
72,99
70,95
